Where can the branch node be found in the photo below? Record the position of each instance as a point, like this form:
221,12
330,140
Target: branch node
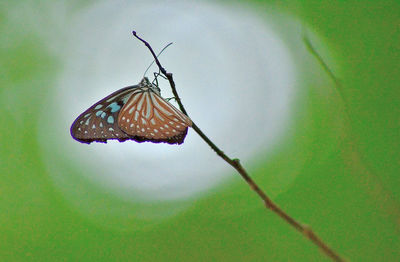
307,230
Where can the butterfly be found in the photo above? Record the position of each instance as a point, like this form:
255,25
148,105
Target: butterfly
136,113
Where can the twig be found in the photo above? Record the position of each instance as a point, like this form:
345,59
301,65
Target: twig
235,163
380,193
336,81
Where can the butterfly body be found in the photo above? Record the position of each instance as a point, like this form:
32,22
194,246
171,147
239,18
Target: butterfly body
136,113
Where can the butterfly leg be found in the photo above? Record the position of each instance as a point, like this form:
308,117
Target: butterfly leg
170,98
155,81
156,75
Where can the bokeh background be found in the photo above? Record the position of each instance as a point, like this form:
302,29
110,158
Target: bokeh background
327,153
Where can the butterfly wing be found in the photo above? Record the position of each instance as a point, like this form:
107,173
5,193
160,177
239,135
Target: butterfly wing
99,122
149,117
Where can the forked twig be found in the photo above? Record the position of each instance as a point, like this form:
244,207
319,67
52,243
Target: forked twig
235,163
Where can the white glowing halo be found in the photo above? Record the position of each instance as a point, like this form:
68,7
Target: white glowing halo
232,72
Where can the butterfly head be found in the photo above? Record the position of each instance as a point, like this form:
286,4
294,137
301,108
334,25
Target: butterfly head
147,84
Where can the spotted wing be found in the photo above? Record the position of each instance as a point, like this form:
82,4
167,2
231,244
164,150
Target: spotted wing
149,117
99,122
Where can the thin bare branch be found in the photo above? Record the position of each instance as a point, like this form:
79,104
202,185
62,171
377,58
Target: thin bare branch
235,163
369,177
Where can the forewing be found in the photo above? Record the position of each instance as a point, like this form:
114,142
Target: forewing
99,122
149,117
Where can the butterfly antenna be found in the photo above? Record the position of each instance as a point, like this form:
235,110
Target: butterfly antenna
154,60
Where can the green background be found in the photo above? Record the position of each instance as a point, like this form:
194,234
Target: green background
347,188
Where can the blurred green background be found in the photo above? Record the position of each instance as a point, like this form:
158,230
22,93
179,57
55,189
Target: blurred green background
347,188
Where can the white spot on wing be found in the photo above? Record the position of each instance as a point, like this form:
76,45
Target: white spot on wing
87,121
